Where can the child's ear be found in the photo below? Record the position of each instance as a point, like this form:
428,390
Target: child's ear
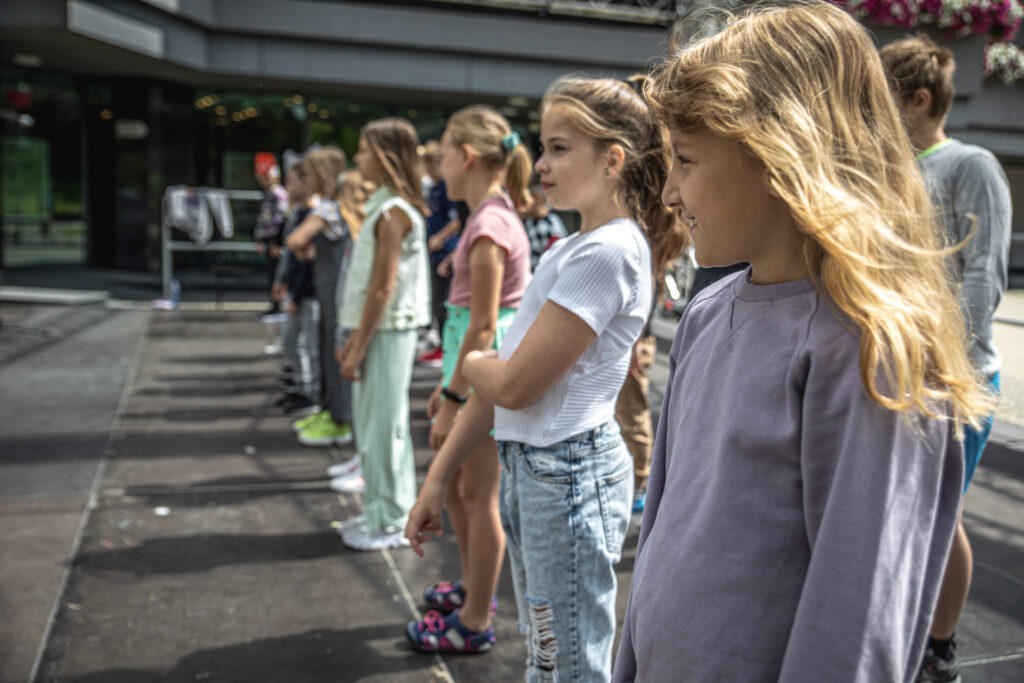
922,102
469,157
615,158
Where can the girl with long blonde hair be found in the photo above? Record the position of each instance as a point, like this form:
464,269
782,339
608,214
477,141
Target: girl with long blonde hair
550,390
807,466
387,299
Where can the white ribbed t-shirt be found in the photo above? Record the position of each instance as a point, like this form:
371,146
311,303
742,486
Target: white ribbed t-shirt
604,277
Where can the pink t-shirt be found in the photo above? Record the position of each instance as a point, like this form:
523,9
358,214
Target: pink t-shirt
497,220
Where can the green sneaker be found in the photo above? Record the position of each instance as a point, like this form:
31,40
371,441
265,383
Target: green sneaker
310,420
326,433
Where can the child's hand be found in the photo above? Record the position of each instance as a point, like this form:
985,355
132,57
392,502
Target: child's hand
434,402
425,517
441,427
350,360
352,364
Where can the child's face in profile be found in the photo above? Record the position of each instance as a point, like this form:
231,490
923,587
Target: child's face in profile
368,163
723,194
571,167
296,186
451,167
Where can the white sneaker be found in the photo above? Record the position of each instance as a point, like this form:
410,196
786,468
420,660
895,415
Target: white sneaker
357,523
350,484
363,539
343,469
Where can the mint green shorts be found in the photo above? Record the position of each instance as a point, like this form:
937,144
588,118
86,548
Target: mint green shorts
455,331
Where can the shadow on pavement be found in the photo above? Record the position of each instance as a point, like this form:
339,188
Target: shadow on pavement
319,655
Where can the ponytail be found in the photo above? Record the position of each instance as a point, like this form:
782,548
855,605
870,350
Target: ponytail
517,177
488,133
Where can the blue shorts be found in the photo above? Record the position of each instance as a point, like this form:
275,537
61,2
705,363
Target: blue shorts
975,439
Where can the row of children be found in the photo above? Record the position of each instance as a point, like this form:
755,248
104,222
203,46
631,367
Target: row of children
809,461
810,456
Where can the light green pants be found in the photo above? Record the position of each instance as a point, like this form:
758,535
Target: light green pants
381,411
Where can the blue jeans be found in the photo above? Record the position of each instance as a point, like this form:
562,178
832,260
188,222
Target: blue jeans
975,439
565,510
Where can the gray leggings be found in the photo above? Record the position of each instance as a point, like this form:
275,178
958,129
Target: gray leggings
335,393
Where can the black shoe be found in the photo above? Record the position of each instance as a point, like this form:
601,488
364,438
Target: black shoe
937,667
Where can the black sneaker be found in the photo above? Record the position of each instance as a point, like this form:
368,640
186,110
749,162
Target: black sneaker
937,668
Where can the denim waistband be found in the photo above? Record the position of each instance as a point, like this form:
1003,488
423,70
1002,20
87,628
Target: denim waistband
594,438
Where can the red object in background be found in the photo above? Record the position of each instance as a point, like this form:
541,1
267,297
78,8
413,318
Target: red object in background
18,100
264,162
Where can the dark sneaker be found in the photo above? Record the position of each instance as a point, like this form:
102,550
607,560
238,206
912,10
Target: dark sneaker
447,596
439,633
939,669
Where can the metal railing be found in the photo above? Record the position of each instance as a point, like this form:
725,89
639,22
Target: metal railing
170,245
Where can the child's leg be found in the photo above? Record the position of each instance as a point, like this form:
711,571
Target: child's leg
457,516
290,346
633,413
309,347
382,407
573,502
484,544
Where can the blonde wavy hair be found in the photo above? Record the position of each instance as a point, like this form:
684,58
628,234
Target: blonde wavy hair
482,129
613,112
353,191
802,90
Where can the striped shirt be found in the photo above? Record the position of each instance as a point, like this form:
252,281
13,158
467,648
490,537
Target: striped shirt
604,277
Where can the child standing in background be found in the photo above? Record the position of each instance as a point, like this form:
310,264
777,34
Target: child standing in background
566,476
807,465
300,338
331,235
387,299
479,154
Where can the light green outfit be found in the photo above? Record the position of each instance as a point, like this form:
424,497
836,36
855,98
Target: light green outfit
381,397
454,333
380,407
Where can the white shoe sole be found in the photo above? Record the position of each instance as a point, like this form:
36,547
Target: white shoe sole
324,441
350,484
343,469
360,539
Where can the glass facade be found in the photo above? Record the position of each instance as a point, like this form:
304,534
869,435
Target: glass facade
85,161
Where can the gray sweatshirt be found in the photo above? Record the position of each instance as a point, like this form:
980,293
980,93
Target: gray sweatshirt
966,181
795,530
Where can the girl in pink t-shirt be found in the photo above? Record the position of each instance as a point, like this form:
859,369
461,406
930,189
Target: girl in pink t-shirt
480,157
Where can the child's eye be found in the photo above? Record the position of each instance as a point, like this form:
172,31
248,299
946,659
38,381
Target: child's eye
682,160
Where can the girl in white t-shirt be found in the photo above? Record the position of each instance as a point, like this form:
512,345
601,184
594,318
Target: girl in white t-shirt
550,391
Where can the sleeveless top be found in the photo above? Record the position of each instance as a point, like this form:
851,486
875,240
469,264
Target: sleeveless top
409,307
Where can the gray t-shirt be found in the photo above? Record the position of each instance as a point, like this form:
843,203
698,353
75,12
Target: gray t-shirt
794,530
967,182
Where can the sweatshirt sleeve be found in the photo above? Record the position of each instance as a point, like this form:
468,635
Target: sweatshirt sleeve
881,498
625,660
982,198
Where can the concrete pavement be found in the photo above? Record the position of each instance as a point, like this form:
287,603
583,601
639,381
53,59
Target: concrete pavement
160,523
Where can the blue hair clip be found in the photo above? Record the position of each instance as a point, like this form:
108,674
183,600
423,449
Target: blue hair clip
510,141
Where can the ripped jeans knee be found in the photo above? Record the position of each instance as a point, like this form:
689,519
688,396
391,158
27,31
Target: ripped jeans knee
541,643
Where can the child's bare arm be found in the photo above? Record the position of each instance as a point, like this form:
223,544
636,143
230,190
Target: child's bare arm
551,347
390,231
303,235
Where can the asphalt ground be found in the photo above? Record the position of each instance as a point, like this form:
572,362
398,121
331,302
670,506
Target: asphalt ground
161,523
